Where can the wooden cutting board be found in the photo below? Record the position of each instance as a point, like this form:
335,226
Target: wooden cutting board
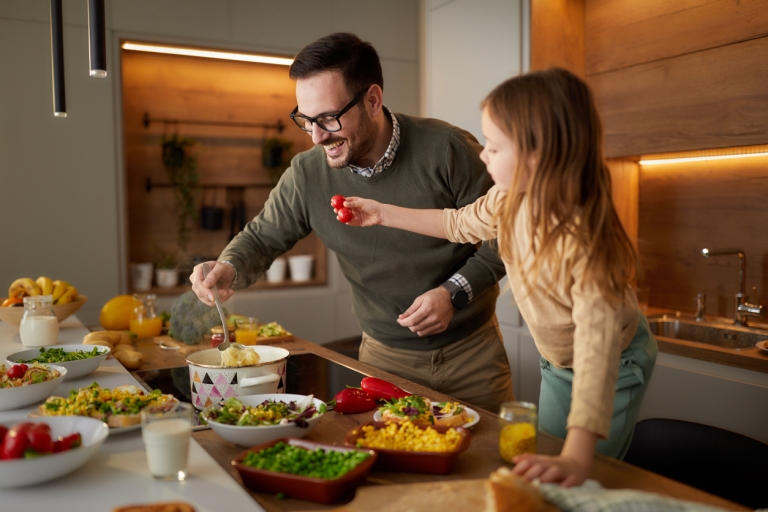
459,495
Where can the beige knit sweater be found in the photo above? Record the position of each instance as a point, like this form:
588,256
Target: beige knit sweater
573,325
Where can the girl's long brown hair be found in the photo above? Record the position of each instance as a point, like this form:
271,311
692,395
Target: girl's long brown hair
551,118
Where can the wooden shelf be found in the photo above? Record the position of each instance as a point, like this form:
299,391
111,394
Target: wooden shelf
259,285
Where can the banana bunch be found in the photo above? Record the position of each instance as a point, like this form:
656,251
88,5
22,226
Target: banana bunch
61,291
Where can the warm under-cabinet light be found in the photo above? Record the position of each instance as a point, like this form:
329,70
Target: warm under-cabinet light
208,54
661,161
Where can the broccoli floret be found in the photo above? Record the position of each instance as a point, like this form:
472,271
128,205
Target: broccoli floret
191,319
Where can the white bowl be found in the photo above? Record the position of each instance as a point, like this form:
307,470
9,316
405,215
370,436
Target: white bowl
75,369
23,396
21,472
251,436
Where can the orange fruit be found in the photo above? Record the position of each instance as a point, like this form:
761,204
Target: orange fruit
116,313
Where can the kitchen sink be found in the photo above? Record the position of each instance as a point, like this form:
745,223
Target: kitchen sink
716,333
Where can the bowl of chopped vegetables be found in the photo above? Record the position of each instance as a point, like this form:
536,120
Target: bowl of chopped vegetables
37,455
411,447
79,360
255,419
303,469
22,385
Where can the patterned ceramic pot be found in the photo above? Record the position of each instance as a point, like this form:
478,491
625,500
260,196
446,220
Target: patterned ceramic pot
211,382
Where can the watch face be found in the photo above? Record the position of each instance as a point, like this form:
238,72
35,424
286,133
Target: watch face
460,299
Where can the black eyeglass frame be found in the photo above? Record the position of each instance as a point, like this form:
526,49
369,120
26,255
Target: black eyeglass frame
315,120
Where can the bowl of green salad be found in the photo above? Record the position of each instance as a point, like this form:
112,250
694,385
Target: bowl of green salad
79,360
256,419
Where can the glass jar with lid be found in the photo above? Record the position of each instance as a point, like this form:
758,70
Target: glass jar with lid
217,335
518,423
39,326
144,322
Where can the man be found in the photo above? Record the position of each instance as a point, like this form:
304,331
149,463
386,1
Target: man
448,337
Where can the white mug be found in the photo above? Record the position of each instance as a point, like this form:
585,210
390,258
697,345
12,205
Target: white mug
301,267
141,276
276,272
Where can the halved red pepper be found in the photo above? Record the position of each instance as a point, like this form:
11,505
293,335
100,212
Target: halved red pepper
353,400
381,389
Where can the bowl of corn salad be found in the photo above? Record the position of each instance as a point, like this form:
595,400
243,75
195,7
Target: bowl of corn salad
410,447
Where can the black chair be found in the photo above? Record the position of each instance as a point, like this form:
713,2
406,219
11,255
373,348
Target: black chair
714,460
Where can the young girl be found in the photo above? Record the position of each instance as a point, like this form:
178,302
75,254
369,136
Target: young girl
568,261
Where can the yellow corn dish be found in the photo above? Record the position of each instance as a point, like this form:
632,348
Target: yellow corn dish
406,436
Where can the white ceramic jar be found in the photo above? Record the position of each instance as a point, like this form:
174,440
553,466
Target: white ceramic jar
39,326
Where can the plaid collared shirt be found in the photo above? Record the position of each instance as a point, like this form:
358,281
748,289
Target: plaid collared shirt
389,154
382,166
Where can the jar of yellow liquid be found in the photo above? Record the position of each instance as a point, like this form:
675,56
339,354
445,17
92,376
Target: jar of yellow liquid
518,422
246,331
144,322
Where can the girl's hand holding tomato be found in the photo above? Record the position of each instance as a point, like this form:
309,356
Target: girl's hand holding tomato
364,212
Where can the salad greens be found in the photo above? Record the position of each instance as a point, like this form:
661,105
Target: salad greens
58,355
269,412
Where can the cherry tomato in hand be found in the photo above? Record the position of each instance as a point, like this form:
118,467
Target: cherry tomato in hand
337,201
17,371
40,439
344,215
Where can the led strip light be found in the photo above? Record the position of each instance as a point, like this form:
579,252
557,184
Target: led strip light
209,54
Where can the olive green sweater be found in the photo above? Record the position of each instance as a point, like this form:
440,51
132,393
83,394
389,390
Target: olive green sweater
436,166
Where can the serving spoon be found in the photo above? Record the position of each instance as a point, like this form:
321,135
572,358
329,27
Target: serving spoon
226,344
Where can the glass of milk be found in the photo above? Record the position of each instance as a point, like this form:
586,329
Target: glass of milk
166,430
39,326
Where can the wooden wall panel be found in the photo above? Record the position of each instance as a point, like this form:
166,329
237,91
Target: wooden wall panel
167,86
712,99
557,35
625,175
624,33
713,204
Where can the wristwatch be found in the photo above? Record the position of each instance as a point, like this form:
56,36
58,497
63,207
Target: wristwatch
459,298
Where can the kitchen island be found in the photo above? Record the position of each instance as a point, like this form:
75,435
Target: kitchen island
118,474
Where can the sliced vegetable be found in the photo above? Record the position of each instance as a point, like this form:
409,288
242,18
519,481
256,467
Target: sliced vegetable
381,389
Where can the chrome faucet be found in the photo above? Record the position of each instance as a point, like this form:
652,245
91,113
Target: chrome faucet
701,306
743,309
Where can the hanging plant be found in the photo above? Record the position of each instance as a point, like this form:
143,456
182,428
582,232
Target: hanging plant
275,156
181,166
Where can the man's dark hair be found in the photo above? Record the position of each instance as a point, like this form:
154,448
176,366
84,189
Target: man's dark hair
356,60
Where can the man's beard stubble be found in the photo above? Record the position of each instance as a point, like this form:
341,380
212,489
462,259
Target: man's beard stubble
366,138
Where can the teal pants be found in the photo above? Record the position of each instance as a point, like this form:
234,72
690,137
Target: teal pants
635,369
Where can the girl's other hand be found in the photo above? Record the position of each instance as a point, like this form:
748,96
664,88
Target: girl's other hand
366,212
563,470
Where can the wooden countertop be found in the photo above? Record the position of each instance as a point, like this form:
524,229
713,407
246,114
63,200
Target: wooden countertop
748,358
477,462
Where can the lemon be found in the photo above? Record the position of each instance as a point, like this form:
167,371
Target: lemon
116,313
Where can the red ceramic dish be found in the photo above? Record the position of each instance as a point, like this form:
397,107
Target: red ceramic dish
302,487
413,462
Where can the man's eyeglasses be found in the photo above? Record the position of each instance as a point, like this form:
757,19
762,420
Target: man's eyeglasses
328,122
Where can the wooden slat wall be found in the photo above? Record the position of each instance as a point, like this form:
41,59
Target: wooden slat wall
557,35
715,204
623,33
624,182
711,99
168,86
676,76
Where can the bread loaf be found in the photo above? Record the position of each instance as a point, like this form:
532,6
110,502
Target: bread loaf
507,492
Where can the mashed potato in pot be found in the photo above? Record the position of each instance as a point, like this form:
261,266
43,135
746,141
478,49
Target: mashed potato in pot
239,357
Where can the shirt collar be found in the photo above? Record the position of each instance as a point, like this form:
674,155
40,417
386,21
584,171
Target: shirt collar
389,154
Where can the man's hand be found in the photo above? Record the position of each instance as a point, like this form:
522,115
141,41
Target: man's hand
221,275
430,313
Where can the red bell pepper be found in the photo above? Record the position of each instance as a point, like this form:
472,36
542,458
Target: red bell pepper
381,389
353,400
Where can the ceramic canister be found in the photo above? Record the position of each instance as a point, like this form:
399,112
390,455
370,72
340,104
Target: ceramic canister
211,382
